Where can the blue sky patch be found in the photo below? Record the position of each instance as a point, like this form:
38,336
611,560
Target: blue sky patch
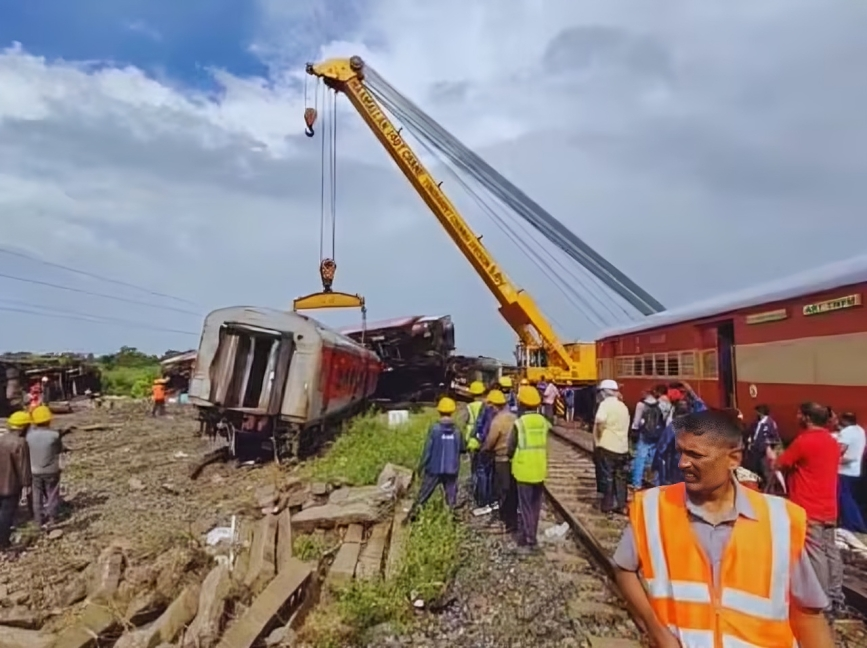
179,39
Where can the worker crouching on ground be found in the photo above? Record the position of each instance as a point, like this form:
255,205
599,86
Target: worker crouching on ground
528,450
441,459
45,447
496,444
14,472
158,394
723,565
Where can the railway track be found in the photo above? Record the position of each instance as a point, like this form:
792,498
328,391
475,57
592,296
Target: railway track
571,489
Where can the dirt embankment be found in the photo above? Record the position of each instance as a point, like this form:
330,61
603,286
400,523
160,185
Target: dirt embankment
125,484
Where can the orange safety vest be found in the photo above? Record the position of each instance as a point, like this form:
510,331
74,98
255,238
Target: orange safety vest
159,392
750,606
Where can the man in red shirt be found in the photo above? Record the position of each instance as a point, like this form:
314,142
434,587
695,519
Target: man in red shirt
810,464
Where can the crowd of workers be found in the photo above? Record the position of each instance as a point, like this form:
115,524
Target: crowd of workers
712,556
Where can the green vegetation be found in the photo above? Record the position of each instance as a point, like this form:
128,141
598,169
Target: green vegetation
129,372
431,550
359,454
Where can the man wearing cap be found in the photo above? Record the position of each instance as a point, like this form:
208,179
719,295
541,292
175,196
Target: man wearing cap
611,439
441,458
14,472
506,386
528,450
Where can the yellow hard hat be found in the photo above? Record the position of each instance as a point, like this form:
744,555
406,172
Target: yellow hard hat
41,415
446,406
477,388
505,382
496,397
529,396
524,381
19,420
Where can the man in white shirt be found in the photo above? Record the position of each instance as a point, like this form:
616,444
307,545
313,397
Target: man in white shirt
852,440
611,439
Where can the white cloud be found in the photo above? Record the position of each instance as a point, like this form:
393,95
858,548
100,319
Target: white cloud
698,146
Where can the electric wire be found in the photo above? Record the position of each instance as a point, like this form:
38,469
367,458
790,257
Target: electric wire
82,317
93,275
92,293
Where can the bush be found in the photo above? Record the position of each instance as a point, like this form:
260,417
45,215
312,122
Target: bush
129,381
359,454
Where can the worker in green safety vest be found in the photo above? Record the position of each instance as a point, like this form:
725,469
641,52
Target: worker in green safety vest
528,450
474,409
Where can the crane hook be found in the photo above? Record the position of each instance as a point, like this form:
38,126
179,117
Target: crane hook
309,119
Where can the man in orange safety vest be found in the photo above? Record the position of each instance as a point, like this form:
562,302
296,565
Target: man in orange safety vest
720,565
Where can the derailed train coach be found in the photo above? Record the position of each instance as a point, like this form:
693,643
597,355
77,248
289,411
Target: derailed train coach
273,380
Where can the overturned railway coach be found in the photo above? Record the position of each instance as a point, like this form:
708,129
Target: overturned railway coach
269,377
779,344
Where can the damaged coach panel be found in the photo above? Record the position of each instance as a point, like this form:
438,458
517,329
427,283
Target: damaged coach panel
415,352
273,378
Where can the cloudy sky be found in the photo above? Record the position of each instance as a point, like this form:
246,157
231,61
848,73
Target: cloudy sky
152,152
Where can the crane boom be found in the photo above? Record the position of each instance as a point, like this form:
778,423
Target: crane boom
516,306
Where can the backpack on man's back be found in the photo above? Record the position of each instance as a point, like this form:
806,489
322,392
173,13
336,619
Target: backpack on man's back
652,422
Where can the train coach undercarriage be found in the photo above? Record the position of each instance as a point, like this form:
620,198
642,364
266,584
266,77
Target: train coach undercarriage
256,436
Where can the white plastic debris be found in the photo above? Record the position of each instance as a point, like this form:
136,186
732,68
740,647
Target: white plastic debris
397,418
180,454
219,534
557,532
482,510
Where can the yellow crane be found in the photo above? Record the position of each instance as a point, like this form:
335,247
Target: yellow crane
539,352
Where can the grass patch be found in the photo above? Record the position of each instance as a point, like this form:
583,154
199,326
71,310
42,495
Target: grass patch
130,381
362,450
431,549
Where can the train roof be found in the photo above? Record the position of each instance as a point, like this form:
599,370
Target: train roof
834,275
271,319
396,322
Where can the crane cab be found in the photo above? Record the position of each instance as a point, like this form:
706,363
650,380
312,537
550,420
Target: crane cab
533,363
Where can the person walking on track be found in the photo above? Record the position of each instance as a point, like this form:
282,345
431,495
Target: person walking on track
722,565
528,450
441,459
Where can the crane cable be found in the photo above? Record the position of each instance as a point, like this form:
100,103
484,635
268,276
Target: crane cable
550,266
328,187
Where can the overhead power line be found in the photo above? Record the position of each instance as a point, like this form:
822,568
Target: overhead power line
82,291
83,317
93,275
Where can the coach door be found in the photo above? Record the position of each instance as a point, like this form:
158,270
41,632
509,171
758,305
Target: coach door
726,365
250,368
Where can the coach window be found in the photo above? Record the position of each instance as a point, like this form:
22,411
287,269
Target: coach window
637,366
673,365
647,361
687,364
709,364
659,365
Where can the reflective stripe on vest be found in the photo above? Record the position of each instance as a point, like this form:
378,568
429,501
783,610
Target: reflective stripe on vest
473,409
770,612
530,463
